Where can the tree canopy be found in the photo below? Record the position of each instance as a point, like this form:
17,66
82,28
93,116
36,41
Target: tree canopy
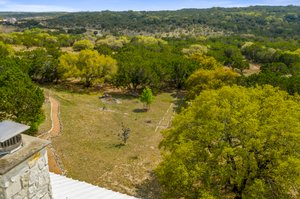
83,45
234,142
209,79
89,65
20,99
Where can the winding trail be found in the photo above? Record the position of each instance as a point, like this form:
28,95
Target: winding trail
54,162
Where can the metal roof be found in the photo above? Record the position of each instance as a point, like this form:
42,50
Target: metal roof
9,129
67,188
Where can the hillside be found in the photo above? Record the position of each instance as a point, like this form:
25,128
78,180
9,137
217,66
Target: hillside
193,103
257,20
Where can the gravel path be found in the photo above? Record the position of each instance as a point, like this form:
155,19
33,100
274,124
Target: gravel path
54,162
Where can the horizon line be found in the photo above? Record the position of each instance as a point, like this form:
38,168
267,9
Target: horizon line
191,8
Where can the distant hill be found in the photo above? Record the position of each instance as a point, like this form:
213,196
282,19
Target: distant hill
257,20
21,15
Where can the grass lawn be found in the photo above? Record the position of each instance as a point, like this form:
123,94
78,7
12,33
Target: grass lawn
90,148
47,123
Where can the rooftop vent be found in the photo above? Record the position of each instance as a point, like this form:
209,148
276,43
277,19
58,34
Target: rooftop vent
10,136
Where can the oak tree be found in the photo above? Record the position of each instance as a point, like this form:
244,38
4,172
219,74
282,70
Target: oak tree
234,142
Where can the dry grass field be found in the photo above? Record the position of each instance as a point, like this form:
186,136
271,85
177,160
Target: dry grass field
89,146
7,29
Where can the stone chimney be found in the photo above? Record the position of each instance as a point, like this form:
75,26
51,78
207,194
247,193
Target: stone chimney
24,172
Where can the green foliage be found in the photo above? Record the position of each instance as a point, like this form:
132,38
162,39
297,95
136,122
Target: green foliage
270,21
38,38
88,65
235,59
67,66
149,41
234,142
41,63
20,99
147,97
5,50
206,62
209,79
83,45
291,84
112,42
275,67
195,49
155,66
66,40
295,69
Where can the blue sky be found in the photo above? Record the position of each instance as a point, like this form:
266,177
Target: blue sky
97,5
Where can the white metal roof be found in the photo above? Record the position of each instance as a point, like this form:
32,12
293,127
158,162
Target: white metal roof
67,188
9,129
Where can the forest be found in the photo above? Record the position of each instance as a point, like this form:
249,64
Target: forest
273,21
235,134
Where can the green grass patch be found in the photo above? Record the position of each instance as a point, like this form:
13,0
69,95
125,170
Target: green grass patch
47,123
89,145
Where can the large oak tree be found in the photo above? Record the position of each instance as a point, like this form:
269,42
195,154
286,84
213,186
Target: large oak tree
89,65
234,142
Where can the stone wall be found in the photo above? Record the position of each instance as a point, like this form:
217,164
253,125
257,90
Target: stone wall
28,180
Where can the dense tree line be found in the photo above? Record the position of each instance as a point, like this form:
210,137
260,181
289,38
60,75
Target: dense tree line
257,20
194,63
152,64
271,21
38,38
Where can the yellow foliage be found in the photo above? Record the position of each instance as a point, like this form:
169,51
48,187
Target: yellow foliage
206,62
247,44
146,40
209,79
195,49
6,50
67,66
83,44
89,65
113,42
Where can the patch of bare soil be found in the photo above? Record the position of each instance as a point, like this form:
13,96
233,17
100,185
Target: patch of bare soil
253,69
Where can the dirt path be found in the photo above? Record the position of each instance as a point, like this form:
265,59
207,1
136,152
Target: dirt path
164,123
166,120
55,165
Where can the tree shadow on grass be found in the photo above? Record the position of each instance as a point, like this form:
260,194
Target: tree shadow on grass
149,189
139,110
179,101
121,95
72,87
119,145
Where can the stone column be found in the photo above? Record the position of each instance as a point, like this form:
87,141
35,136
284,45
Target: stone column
24,174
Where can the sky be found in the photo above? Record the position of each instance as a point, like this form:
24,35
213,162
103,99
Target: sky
120,5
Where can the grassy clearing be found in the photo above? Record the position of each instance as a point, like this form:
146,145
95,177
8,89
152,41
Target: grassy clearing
90,148
7,29
18,48
47,124
253,69
67,49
